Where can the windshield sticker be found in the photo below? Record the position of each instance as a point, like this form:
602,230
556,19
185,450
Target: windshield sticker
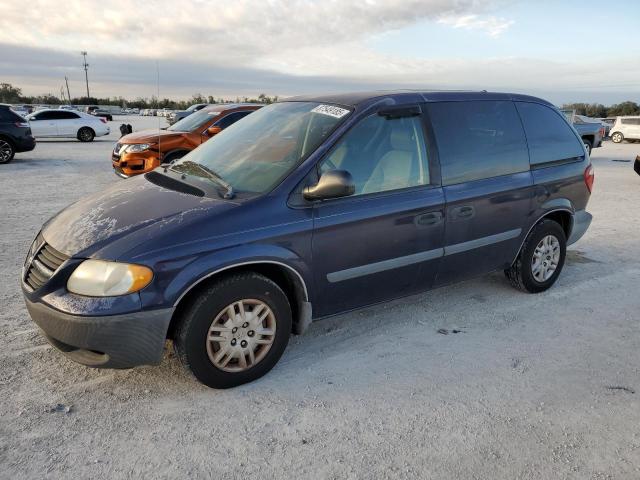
331,110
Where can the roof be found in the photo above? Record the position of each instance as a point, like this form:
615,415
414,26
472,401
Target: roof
412,96
222,107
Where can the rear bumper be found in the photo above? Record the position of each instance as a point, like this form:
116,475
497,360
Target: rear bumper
581,221
115,341
25,144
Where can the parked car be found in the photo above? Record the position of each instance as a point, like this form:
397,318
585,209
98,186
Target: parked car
19,109
15,134
141,152
625,128
90,108
607,123
590,130
102,113
302,210
178,115
67,124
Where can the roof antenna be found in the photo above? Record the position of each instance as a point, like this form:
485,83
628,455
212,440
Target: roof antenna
158,105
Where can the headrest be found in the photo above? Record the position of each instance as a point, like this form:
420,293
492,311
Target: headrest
401,138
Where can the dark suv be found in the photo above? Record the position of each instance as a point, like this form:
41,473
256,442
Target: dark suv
15,134
305,209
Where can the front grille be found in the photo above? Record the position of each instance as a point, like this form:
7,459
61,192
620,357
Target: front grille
43,264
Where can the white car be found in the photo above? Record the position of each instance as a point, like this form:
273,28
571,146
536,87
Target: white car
625,128
67,124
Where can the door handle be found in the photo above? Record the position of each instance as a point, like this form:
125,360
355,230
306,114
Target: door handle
431,218
466,211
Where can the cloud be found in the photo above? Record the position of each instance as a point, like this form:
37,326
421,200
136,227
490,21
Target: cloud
492,26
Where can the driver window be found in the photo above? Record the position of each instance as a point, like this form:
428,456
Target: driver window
382,154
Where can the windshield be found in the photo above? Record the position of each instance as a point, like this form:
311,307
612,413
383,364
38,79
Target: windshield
255,154
193,121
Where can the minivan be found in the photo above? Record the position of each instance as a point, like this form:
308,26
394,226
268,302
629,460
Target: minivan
625,128
308,208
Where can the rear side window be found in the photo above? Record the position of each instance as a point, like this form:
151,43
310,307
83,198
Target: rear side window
67,116
550,138
231,119
630,121
7,116
478,139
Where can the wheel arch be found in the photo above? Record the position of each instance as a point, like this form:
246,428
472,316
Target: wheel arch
562,215
285,276
85,126
8,139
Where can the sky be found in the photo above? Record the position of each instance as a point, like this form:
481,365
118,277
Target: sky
565,51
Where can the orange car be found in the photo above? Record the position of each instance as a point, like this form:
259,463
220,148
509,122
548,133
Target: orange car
141,152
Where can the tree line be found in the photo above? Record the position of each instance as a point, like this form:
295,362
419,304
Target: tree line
597,110
12,94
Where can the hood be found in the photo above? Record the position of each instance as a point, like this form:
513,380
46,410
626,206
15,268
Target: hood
123,216
148,136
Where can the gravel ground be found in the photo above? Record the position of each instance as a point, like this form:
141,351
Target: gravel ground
533,386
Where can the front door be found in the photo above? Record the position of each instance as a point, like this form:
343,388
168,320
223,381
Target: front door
384,241
44,124
487,184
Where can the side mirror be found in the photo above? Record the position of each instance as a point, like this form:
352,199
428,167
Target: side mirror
211,131
332,184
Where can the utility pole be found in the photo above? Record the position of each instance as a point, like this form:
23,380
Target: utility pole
66,80
86,66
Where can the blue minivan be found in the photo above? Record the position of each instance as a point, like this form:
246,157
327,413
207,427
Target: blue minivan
307,208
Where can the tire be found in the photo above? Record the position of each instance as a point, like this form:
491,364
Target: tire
207,317
7,151
587,145
522,274
85,134
617,137
172,157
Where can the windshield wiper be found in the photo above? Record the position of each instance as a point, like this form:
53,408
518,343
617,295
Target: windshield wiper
229,194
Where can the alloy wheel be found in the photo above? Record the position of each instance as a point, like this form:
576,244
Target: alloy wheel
241,335
546,257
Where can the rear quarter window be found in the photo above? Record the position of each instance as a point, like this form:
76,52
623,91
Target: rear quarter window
550,138
7,116
478,139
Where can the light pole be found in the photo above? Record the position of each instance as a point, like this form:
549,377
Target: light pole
86,66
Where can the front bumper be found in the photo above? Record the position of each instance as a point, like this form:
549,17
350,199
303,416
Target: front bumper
130,164
581,221
114,341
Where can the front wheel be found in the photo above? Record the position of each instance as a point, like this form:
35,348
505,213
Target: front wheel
617,137
541,258
235,331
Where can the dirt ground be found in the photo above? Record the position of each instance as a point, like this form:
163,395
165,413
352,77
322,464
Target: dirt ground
533,387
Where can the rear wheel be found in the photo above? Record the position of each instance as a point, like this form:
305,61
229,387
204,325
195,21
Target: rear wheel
7,151
235,331
587,146
85,134
541,258
617,137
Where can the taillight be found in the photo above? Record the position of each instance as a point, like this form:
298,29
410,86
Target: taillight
103,120
602,131
589,177
22,124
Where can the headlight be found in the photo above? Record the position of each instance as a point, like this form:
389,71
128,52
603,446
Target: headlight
137,147
98,278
